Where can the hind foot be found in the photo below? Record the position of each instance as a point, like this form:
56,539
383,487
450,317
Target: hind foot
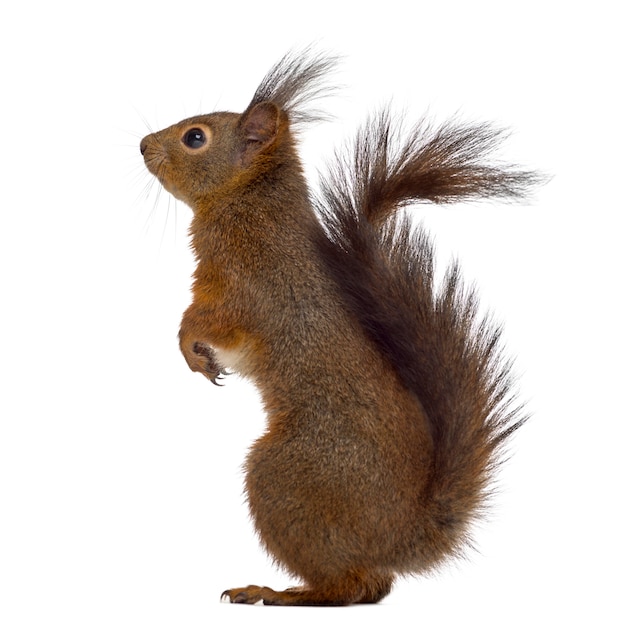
351,590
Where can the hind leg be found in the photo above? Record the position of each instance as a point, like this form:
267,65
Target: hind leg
355,587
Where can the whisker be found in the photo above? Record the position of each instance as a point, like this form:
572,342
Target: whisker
166,217
143,119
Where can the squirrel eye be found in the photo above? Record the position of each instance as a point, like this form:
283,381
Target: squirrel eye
194,138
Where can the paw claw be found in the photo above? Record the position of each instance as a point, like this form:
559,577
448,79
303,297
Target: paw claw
247,595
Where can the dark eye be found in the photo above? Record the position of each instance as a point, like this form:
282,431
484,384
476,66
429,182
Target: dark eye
194,138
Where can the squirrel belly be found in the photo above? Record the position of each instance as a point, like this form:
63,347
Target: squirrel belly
387,395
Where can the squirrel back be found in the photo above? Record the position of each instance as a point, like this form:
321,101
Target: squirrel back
387,396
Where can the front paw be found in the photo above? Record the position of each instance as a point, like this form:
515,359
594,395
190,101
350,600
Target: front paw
201,358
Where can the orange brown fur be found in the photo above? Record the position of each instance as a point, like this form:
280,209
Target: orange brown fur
387,401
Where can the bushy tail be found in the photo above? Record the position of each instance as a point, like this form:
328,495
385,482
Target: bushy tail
433,335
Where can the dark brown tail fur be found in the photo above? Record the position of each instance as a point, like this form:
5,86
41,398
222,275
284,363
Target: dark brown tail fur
443,352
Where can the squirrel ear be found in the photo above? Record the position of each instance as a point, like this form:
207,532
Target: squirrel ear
259,129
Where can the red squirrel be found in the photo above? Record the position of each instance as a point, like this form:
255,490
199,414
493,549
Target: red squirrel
388,399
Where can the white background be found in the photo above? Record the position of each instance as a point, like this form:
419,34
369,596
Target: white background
120,481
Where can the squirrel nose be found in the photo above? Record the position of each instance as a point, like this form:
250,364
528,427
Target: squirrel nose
143,146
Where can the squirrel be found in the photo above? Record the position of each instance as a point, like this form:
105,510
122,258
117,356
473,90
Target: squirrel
387,395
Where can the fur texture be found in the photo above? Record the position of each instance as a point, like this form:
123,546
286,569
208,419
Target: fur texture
387,396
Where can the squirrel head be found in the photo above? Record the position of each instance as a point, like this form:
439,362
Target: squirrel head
204,155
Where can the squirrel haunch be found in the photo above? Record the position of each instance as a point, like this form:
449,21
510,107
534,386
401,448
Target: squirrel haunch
387,397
